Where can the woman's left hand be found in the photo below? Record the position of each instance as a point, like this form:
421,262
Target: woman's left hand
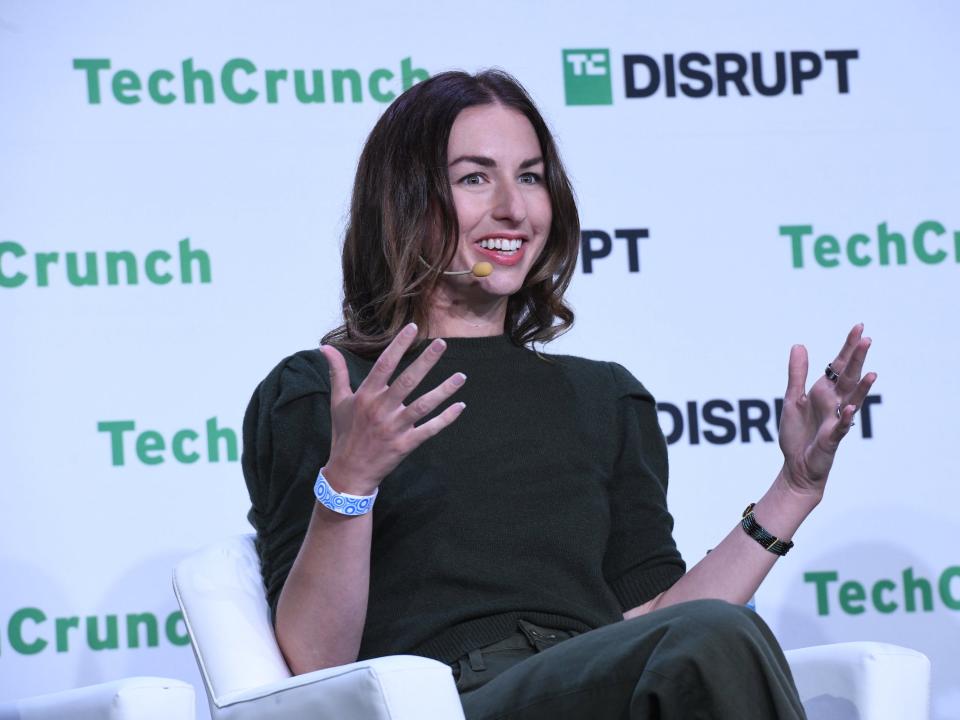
811,427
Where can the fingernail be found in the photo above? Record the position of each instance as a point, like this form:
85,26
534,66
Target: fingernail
462,405
410,329
438,345
459,379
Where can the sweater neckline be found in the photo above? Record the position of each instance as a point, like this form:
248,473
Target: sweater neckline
491,346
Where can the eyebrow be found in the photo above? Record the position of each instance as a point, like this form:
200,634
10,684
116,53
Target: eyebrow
485,161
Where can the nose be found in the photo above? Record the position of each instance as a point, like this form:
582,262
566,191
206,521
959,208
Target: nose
510,203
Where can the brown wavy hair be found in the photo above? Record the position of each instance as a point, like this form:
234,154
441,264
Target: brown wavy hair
402,210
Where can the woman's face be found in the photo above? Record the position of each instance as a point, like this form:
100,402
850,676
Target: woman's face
496,170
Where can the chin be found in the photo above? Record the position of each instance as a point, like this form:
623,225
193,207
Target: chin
505,292
500,286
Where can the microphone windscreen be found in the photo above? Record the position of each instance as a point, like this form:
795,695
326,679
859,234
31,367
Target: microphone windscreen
482,269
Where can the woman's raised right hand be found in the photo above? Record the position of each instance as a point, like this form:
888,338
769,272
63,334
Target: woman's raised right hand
372,429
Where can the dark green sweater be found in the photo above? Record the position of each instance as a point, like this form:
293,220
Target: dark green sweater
545,500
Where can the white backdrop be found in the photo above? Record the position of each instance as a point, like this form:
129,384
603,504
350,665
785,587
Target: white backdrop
250,197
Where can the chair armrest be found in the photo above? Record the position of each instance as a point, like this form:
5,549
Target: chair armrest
136,698
399,687
862,680
221,594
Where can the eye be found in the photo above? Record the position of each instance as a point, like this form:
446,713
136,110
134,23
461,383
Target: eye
472,179
530,178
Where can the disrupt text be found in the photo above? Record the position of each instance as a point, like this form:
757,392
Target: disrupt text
698,75
720,422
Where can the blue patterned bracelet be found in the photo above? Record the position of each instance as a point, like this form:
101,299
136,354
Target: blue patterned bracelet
342,503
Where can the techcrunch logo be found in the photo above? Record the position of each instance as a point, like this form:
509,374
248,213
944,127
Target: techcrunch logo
930,244
588,78
18,267
185,446
241,82
721,422
908,593
31,631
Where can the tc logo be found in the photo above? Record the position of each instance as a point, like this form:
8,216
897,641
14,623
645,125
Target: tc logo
586,77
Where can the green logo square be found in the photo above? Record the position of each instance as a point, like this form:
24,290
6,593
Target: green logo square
586,77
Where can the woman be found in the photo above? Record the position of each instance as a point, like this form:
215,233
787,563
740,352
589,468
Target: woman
517,524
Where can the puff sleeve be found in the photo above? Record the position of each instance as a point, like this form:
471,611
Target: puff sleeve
286,440
642,559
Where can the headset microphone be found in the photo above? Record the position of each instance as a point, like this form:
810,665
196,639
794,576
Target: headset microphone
480,269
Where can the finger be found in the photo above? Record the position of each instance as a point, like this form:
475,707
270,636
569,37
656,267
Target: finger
859,395
435,425
389,359
849,345
413,375
851,372
339,376
841,427
428,402
796,373
824,449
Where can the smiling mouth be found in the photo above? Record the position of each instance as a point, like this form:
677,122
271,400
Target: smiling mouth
503,246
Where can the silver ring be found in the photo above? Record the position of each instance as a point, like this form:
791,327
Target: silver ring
831,374
840,414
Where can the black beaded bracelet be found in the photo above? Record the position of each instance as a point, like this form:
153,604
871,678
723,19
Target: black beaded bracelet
755,530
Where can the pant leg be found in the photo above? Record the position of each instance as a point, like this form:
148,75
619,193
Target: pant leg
705,659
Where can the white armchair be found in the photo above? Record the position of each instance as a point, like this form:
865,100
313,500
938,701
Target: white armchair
862,681
222,597
224,605
135,698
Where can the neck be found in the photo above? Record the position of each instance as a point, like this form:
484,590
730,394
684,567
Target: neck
452,315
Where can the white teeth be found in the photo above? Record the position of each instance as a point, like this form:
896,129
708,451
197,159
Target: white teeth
502,244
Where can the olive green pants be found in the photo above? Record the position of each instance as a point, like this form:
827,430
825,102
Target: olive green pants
698,660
